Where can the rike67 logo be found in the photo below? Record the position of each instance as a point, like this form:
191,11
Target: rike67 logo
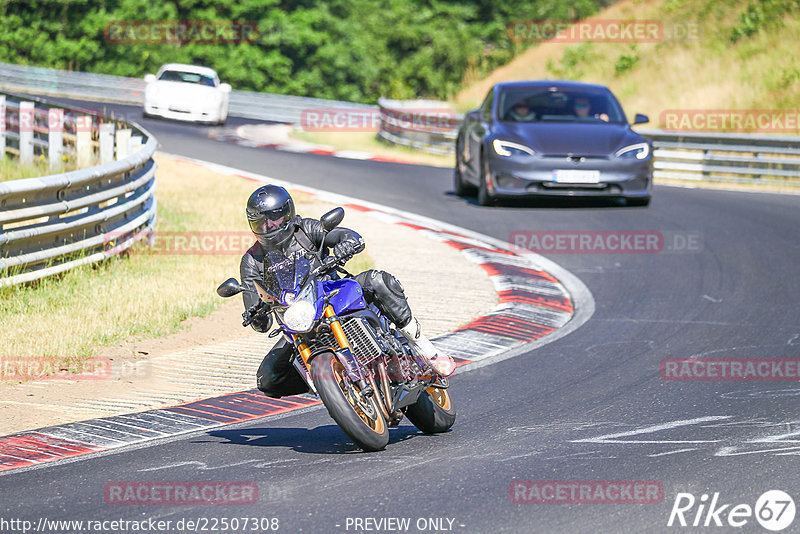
774,510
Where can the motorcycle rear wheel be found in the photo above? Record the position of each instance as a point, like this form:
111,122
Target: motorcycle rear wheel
359,417
433,412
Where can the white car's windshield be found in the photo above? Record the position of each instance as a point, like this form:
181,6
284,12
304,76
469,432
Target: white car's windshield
186,77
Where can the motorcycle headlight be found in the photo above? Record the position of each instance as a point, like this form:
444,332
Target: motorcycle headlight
638,151
507,148
301,314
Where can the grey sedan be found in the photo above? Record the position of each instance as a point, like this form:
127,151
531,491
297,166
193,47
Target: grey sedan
553,139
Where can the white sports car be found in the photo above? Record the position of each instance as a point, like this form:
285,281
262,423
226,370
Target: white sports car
187,93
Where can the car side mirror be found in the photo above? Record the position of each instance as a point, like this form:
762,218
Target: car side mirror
225,87
229,288
149,78
332,219
640,119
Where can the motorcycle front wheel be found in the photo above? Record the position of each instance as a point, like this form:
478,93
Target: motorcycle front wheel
358,416
433,412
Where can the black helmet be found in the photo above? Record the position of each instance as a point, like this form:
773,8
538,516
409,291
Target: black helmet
270,211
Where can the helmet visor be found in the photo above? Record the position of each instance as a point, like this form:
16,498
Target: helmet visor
270,223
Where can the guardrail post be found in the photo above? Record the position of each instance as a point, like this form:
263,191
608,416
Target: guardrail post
2,127
55,137
135,144
83,140
123,138
106,142
26,111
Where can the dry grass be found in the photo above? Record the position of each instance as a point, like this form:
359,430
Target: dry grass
10,169
64,319
757,72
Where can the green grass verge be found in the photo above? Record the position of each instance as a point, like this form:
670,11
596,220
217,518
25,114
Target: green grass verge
65,319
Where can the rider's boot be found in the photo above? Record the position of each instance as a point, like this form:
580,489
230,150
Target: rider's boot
442,364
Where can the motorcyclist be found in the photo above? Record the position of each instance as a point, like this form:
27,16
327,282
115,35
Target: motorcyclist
277,228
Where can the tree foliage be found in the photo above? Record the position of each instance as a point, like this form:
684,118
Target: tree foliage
355,50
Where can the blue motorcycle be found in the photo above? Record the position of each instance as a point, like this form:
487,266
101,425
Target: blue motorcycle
350,355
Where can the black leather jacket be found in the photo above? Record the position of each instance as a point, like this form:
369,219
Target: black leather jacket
308,233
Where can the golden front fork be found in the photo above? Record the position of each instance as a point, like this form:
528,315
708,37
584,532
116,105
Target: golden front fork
338,333
336,328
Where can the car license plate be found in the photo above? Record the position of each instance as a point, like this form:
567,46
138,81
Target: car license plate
574,176
178,109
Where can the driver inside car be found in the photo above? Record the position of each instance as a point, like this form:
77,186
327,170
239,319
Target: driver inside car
521,112
277,229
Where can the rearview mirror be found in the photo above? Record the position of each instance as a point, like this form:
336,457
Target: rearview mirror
640,119
225,87
332,219
229,288
150,78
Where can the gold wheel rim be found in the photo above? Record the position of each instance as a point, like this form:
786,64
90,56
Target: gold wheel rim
441,397
377,425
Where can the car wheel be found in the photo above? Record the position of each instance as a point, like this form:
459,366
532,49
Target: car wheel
485,198
460,187
220,119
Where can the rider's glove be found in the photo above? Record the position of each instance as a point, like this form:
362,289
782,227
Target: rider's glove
258,316
345,249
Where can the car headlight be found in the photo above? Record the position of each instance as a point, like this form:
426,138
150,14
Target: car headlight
507,148
301,314
638,151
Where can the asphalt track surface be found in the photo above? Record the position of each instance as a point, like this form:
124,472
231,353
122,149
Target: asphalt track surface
589,406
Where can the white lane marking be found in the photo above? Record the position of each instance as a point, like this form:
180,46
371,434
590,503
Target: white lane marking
613,438
733,451
712,299
779,438
202,466
671,452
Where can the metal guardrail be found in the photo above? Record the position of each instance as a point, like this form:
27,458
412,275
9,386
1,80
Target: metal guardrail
707,156
123,90
54,223
722,157
725,157
425,125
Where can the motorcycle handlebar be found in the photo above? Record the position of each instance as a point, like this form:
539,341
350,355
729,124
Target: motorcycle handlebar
329,264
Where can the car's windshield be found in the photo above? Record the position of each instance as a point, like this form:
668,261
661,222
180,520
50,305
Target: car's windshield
284,273
186,77
548,104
